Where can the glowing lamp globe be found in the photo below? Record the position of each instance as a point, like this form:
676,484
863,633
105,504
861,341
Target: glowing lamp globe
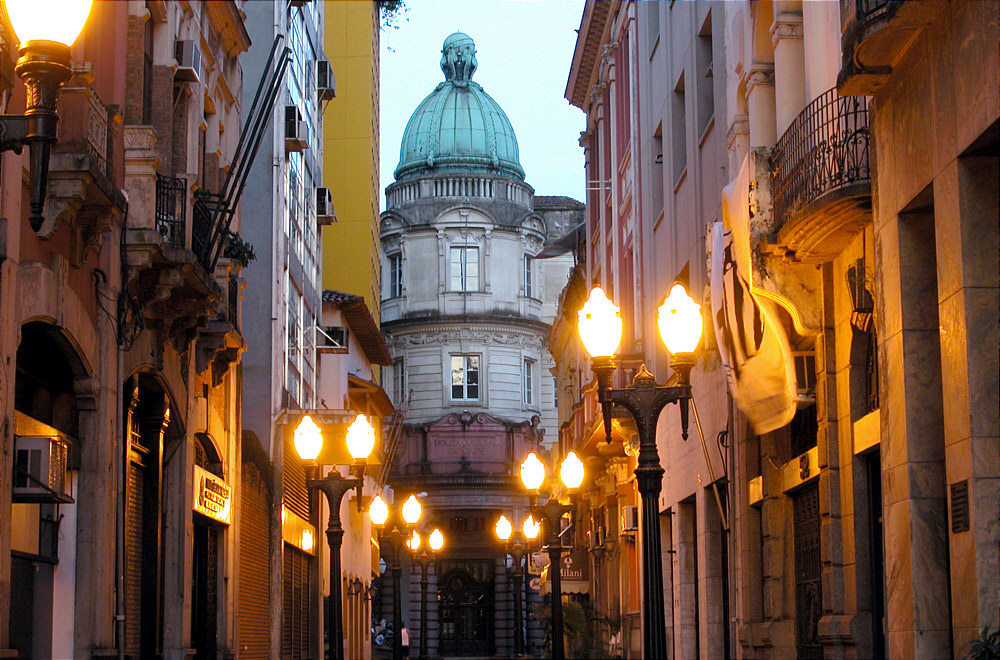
378,511
600,324
504,528
436,540
413,543
679,318
571,471
308,439
48,20
532,472
411,510
531,528
360,438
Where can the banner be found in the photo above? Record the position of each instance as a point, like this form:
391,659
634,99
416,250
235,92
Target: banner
752,342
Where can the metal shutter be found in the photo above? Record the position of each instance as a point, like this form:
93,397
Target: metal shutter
254,586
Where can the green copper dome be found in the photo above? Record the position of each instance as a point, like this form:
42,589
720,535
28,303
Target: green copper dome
458,126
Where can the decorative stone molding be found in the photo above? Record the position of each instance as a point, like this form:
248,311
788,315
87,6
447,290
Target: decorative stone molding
759,75
486,335
739,126
140,137
617,468
786,26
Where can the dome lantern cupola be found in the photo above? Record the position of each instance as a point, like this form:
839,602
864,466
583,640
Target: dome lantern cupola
458,126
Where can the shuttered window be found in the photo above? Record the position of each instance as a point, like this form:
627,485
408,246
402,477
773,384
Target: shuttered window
295,622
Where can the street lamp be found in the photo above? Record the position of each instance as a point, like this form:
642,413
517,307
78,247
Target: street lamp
680,326
425,555
308,440
533,476
517,549
395,531
46,31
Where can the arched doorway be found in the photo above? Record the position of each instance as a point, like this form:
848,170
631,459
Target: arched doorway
466,606
46,462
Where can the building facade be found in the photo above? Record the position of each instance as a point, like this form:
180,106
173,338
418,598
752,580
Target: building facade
121,344
762,153
284,293
466,307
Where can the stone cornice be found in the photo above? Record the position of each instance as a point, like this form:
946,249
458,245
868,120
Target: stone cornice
503,332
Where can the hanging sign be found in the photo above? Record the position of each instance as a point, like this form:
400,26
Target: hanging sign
213,497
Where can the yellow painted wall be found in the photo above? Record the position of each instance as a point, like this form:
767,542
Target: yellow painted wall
350,142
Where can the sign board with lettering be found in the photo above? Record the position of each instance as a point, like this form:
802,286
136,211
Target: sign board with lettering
213,497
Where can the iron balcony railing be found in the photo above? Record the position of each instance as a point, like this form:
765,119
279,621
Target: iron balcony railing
233,300
171,209
825,148
866,9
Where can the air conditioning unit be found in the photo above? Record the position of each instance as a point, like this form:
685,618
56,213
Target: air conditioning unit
324,206
326,83
188,61
630,518
296,130
40,469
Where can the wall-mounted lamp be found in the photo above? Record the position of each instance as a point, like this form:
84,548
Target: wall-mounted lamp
45,34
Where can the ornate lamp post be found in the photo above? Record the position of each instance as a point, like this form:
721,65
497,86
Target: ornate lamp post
424,554
44,65
395,531
533,476
680,326
517,549
360,442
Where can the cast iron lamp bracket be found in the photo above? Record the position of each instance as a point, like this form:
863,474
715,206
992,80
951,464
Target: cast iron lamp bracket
44,66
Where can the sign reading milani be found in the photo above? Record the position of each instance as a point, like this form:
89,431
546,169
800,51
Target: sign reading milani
212,496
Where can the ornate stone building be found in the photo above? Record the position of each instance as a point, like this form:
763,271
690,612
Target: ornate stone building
465,311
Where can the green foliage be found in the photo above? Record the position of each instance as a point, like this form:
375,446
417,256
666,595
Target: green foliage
585,630
390,11
987,647
238,250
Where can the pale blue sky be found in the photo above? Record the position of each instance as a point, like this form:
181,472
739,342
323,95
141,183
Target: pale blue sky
524,49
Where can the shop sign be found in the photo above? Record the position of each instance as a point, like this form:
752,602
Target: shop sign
213,497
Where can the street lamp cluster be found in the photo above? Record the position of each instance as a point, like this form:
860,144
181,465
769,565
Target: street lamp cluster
680,325
600,329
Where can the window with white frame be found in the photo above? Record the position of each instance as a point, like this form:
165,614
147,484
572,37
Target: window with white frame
529,280
395,275
464,377
528,381
398,382
464,268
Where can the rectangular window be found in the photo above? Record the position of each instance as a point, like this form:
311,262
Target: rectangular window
395,275
464,377
705,82
529,382
464,268
398,382
529,289
679,133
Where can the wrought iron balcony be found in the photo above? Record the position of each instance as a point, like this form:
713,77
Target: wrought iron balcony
822,180
875,34
171,209
825,148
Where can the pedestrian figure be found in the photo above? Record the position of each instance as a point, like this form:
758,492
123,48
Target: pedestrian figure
404,638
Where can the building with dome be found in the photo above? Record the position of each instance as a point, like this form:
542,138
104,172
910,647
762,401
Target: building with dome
471,269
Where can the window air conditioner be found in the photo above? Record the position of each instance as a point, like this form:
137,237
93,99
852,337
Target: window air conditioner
39,469
324,206
630,518
188,61
296,131
326,83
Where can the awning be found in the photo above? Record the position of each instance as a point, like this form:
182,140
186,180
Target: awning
567,586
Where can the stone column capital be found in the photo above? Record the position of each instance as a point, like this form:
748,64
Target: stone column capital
786,26
759,75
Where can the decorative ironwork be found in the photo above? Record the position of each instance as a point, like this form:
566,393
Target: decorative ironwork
869,9
808,573
825,148
171,209
232,310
